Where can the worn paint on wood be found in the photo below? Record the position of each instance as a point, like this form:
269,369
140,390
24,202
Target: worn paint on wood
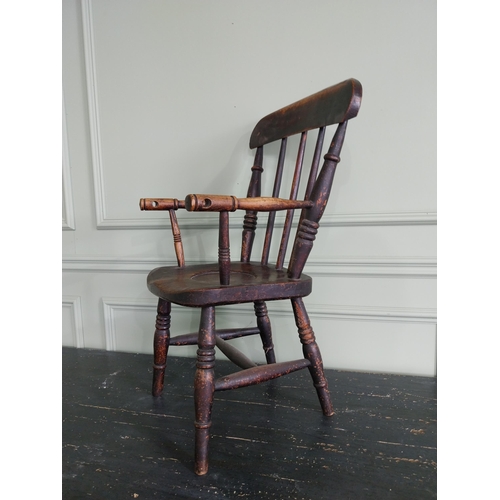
269,441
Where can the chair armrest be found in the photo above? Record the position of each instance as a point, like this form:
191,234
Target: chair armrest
223,203
161,204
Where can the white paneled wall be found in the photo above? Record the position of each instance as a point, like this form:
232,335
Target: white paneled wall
160,98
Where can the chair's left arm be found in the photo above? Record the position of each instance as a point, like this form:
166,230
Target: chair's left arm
222,204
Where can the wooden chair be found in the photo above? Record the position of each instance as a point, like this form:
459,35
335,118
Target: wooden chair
225,282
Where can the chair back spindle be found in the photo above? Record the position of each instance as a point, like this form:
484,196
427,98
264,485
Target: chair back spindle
250,218
315,162
293,196
308,227
334,105
276,192
224,256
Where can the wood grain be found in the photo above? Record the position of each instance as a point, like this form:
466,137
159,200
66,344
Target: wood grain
334,104
268,441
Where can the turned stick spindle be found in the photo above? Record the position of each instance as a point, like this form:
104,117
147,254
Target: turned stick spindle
293,196
224,255
276,192
176,233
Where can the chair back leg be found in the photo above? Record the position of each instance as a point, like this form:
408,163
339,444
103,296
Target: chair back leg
313,354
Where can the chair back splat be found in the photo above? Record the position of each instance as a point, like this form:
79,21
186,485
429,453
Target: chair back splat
207,286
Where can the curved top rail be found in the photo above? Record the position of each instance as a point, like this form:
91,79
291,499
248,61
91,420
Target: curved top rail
334,104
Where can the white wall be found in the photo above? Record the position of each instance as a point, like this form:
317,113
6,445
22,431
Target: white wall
160,98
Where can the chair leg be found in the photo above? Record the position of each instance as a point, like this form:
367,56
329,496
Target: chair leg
264,325
312,353
160,345
204,388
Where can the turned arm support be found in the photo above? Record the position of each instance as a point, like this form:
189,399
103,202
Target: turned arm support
170,204
226,204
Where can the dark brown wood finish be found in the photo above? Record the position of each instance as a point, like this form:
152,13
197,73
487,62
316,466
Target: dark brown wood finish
235,355
309,224
204,387
161,343
250,219
293,196
228,334
259,374
335,104
199,285
224,252
311,353
223,283
276,192
315,163
264,325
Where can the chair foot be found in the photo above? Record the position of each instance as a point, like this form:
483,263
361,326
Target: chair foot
160,345
204,388
201,450
313,354
264,325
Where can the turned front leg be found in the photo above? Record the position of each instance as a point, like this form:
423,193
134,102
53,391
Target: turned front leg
204,388
313,354
160,345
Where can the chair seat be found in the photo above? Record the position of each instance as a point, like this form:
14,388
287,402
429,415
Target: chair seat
199,285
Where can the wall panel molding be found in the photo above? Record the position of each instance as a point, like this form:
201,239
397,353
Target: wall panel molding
194,221
363,267
375,273
68,219
346,313
73,303
364,313
102,220
428,218
208,221
390,267
112,306
93,110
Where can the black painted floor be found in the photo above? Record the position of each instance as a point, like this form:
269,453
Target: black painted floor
268,441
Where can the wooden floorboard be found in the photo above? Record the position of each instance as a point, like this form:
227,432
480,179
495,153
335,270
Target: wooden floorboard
269,441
